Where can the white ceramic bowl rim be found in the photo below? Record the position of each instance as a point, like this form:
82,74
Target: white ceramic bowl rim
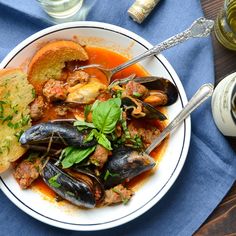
186,140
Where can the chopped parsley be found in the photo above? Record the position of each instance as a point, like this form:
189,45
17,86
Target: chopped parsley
124,200
53,181
18,134
136,94
108,173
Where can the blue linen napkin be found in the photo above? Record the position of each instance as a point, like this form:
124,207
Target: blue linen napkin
210,169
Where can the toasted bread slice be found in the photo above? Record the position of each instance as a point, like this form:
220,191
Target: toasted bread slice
15,95
49,61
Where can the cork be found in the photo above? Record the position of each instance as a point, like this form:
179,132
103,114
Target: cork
141,9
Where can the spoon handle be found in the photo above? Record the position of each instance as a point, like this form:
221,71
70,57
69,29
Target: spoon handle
198,98
200,28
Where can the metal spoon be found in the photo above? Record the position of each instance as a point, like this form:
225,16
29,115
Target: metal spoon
199,28
198,98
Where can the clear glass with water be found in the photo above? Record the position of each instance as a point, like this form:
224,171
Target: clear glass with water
61,8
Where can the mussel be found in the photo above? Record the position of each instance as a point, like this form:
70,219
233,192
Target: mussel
78,187
85,93
124,164
154,90
139,109
158,86
56,132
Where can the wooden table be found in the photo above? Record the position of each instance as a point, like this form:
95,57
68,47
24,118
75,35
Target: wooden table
223,220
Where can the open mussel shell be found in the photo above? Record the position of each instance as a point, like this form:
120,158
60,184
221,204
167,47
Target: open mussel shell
125,164
139,109
56,132
161,84
152,113
77,187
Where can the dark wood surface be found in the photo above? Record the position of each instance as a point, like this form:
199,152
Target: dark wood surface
223,220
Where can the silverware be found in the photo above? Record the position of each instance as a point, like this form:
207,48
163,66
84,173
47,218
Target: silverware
198,98
199,28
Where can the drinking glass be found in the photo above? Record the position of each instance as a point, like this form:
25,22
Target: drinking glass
61,9
225,26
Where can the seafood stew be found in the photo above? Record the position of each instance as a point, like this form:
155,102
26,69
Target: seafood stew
87,141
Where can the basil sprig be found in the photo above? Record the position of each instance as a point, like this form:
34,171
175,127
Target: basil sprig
105,117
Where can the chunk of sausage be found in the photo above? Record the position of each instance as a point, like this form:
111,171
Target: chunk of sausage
117,194
147,134
55,90
100,156
103,96
61,110
26,172
37,108
135,89
77,77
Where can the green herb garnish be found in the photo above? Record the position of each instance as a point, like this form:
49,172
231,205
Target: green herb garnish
136,94
18,134
108,173
124,200
33,93
1,107
53,181
15,109
118,94
70,193
32,156
71,155
87,110
105,117
25,119
82,125
106,114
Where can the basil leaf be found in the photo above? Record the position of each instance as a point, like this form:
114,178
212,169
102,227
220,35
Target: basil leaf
81,125
76,156
117,101
95,104
65,152
106,114
92,134
104,141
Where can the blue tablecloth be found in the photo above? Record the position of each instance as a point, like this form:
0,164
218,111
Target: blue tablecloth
210,169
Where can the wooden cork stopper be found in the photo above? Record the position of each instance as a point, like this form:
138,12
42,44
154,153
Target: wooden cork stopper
141,9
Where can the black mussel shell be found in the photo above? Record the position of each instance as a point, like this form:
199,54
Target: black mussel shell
148,110
125,164
57,132
76,187
152,113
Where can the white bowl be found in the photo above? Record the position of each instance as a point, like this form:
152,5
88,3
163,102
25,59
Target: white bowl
70,217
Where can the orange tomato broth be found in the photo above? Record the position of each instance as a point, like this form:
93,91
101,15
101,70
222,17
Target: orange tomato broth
110,59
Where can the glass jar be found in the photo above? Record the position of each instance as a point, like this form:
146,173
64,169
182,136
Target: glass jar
61,8
225,25
223,105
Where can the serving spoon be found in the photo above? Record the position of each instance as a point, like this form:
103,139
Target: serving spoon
199,28
198,98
